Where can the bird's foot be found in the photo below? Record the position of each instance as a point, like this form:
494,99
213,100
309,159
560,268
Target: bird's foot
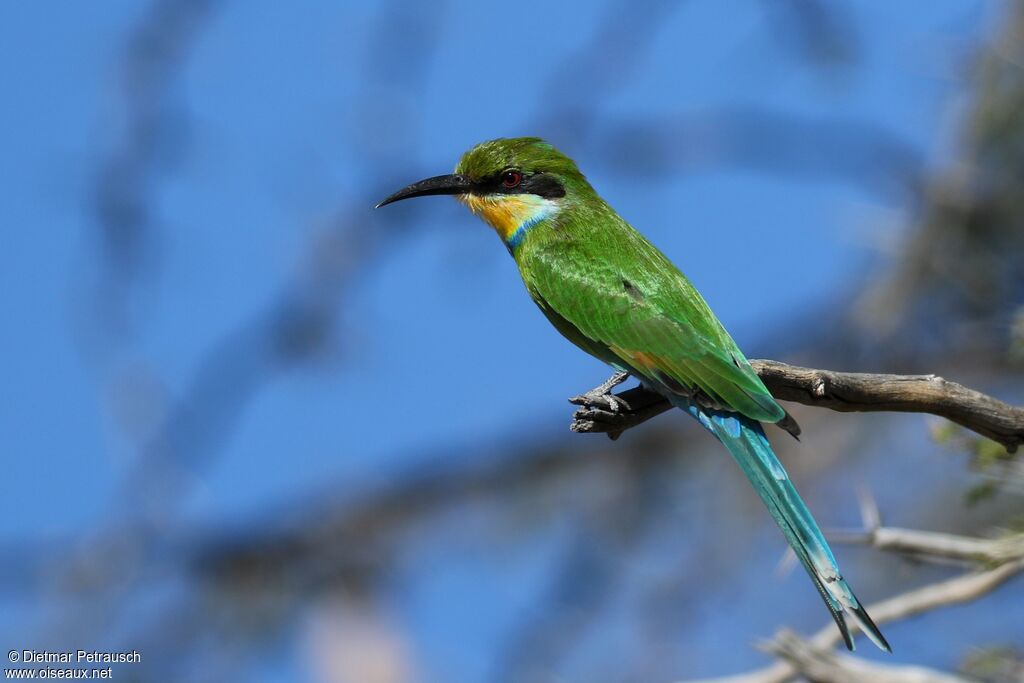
600,404
602,398
601,411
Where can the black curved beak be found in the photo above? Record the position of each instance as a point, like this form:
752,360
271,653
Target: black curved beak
441,184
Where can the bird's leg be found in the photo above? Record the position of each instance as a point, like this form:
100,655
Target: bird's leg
601,396
599,403
602,411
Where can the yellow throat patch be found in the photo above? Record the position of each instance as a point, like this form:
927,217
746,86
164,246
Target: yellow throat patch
511,213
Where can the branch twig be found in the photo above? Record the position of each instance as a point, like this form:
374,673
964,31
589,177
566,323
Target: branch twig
814,657
931,546
825,665
961,589
843,392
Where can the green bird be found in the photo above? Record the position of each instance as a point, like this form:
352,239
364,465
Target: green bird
616,296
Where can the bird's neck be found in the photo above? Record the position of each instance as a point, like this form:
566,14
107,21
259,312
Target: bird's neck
512,216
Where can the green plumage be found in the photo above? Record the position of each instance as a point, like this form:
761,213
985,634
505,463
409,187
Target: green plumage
605,287
617,297
618,290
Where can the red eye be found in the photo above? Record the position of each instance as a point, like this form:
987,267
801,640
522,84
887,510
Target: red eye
511,179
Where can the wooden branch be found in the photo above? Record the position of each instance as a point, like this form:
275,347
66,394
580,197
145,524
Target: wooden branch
825,665
929,546
932,544
815,659
964,588
840,391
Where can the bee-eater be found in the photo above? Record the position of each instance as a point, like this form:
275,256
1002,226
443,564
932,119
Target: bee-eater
616,296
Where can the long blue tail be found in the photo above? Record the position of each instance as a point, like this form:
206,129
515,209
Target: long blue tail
746,441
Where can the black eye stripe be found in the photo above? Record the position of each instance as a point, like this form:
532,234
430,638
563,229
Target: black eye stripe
541,184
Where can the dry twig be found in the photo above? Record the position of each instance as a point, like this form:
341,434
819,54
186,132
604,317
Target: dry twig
825,665
930,546
964,588
815,659
840,391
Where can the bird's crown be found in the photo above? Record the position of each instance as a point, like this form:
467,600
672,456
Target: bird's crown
520,165
524,154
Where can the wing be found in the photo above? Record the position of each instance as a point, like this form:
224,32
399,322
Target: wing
621,294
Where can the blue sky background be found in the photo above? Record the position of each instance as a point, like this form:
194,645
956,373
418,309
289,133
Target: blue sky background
275,115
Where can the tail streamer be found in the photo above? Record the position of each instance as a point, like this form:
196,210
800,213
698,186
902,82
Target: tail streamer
746,441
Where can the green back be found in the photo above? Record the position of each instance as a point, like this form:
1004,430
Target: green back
611,292
620,299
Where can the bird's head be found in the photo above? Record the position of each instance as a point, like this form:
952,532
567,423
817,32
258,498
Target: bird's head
512,183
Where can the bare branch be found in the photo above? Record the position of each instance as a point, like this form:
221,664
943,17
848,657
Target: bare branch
935,545
930,546
961,589
825,665
953,591
843,392
815,658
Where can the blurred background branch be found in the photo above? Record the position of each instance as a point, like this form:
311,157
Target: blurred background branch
201,465
813,657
